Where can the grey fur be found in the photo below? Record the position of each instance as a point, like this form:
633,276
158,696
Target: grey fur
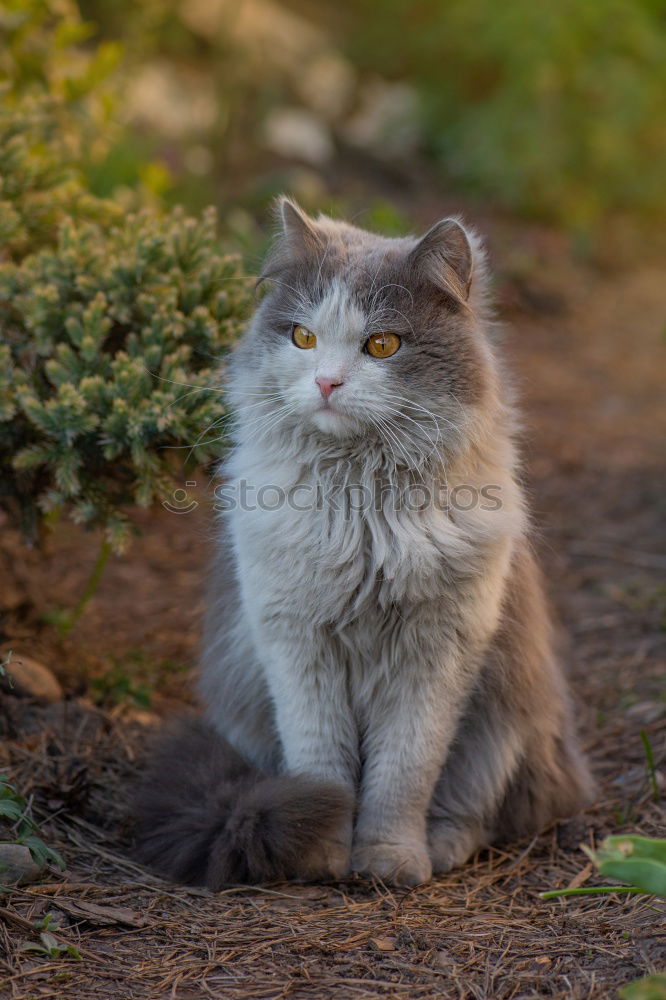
401,655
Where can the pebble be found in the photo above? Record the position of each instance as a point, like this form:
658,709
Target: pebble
26,678
17,866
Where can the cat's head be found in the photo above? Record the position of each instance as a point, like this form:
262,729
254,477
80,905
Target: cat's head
366,336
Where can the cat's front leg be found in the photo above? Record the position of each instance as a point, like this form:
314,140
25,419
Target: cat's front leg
412,721
306,676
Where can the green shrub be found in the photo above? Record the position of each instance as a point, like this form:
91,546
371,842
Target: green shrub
100,335
554,108
104,316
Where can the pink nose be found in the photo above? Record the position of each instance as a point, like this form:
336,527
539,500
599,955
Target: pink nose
327,385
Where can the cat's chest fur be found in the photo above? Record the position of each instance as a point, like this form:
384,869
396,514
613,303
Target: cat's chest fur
337,537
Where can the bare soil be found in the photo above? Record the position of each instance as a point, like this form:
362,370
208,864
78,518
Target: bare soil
588,349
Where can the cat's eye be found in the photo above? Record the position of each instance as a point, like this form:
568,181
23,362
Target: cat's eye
382,345
303,337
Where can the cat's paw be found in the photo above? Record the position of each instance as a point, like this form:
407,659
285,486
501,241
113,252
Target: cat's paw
330,860
451,847
404,863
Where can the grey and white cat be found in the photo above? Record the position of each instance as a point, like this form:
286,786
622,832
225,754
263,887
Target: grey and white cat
378,674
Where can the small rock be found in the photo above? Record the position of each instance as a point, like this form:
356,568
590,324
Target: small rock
27,678
383,943
17,866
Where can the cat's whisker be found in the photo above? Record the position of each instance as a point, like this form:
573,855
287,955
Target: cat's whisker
187,385
275,401
377,319
437,419
258,427
180,399
301,296
261,423
418,456
265,401
378,424
395,284
321,264
265,395
389,430
274,422
379,267
432,421
405,416
465,415
201,443
234,277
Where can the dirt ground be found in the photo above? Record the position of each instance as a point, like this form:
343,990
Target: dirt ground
588,349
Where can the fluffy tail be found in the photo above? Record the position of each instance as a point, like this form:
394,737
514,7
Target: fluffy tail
204,816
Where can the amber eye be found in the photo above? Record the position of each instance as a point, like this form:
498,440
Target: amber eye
303,338
382,345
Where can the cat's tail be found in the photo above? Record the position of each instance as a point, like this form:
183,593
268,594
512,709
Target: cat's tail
204,816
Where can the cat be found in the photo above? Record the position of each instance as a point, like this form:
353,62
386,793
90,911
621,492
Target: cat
380,689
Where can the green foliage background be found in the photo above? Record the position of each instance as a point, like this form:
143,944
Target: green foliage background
554,108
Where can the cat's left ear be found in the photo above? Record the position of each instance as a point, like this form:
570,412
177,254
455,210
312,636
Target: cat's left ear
444,256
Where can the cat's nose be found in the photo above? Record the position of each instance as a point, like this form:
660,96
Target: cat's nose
327,385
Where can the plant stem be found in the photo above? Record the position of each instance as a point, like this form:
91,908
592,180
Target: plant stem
93,582
595,890
651,769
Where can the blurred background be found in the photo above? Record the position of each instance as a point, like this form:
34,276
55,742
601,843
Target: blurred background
553,112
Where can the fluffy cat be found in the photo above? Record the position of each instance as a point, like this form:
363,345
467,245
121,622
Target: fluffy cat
378,675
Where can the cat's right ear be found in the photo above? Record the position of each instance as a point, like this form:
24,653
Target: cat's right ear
297,238
299,231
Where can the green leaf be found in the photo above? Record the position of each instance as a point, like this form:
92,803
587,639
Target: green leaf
49,943
11,810
41,853
649,988
639,861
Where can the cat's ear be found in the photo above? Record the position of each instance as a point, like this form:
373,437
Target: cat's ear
297,238
299,231
444,256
